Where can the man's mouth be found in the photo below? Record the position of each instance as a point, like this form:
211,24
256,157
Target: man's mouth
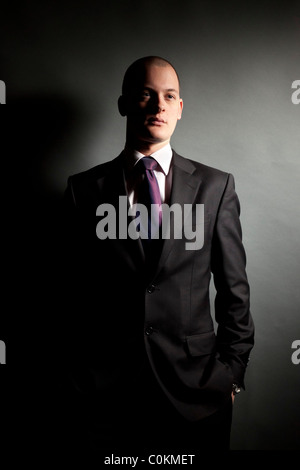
156,120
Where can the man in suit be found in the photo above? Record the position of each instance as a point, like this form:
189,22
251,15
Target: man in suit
147,368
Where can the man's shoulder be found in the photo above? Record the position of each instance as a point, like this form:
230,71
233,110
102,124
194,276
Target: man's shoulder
204,171
96,172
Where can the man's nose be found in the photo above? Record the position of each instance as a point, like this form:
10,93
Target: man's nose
158,104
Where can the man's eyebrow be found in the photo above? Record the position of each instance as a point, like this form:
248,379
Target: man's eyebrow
167,89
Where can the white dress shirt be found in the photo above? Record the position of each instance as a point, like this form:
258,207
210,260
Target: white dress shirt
163,172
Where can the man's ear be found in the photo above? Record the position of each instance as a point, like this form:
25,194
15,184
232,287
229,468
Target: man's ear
180,109
122,105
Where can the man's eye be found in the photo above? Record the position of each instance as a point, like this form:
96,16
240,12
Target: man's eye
145,94
170,97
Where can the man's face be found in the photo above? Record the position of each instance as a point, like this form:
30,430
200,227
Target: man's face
154,106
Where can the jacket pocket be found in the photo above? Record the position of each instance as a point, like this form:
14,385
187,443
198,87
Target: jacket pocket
201,345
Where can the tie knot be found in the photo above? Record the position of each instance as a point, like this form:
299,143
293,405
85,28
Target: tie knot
149,163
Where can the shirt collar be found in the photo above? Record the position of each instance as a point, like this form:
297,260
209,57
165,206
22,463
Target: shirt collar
163,156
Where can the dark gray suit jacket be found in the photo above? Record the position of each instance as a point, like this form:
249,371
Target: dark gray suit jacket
117,315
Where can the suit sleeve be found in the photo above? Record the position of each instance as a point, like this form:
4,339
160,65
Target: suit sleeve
235,331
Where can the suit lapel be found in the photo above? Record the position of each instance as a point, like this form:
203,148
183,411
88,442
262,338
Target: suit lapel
111,186
185,186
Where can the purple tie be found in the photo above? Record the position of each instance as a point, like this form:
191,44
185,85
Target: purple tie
149,194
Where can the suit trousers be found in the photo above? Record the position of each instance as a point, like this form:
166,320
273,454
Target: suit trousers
148,422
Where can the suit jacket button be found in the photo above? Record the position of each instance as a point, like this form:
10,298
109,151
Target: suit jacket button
151,289
149,330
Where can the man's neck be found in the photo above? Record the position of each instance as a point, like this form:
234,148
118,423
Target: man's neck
146,148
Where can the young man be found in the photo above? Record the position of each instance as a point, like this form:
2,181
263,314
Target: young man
148,371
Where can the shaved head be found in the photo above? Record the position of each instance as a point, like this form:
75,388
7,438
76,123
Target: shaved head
136,71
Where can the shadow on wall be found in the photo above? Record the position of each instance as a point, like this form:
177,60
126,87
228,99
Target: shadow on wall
35,132
38,129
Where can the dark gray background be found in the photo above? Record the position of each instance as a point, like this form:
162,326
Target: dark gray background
63,65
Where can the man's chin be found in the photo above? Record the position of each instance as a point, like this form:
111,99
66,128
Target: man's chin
150,144
156,138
